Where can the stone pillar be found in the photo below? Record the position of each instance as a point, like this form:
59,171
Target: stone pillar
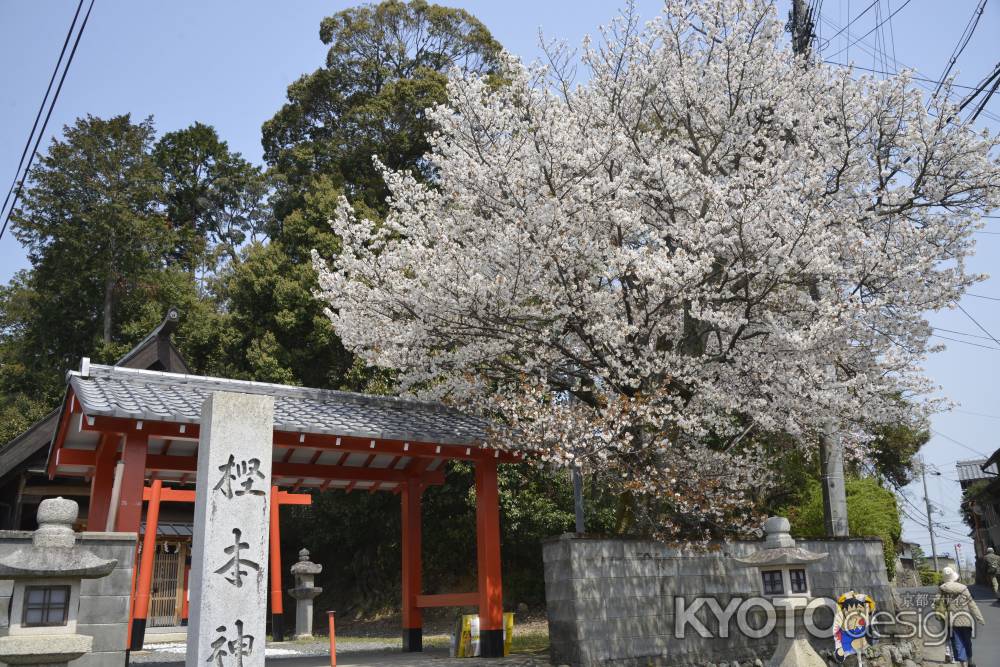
305,572
229,556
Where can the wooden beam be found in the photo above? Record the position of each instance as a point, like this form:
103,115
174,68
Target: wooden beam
60,438
158,429
189,464
185,431
51,490
395,447
448,600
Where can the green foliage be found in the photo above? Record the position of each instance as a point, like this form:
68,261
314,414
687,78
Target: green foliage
386,64
215,200
930,578
871,512
93,229
973,497
893,450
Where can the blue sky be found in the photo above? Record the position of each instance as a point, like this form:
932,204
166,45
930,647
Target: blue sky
228,63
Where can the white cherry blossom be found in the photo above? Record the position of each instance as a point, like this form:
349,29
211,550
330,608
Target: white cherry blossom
709,237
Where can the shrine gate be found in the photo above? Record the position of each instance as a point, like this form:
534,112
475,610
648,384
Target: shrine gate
134,435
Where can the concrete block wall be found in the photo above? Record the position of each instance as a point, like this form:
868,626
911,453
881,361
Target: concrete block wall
614,602
104,603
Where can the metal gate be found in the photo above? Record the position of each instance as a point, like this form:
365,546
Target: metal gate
167,593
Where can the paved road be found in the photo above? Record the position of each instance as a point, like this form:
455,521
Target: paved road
429,658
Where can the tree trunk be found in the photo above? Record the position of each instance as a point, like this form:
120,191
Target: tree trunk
109,286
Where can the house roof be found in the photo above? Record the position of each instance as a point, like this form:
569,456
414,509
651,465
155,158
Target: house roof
154,351
111,391
972,470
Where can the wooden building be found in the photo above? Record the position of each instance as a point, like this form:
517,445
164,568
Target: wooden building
125,443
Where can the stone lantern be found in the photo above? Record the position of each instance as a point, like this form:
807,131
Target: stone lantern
784,581
305,572
46,597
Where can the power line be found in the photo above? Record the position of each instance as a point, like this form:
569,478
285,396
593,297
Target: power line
827,41
963,41
41,109
960,333
915,78
877,26
977,414
48,115
976,322
960,444
966,342
982,104
923,80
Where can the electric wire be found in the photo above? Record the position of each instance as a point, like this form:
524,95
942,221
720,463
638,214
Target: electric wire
960,444
48,115
963,41
921,78
877,26
976,322
827,41
41,110
966,342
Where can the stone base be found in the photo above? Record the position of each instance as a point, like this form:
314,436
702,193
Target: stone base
491,643
304,636
43,649
413,640
794,651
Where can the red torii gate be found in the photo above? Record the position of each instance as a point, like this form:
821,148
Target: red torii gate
161,449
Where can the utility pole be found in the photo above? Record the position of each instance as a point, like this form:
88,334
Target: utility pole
802,27
831,448
958,560
930,518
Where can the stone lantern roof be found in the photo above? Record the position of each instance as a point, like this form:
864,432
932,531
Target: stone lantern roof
779,548
306,566
53,551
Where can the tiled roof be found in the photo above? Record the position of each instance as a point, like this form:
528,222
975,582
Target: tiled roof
155,396
971,470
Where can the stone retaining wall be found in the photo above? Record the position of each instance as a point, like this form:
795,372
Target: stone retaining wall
104,603
614,602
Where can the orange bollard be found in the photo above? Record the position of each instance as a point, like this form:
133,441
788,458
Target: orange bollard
333,640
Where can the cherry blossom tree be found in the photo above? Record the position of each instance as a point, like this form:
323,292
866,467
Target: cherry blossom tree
707,238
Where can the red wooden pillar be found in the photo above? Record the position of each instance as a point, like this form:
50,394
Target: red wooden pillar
277,604
102,485
141,607
413,620
488,560
129,516
185,602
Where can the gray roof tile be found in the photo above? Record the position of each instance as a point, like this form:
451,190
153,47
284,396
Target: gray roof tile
155,396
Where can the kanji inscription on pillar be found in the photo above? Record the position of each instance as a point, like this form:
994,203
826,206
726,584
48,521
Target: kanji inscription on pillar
229,554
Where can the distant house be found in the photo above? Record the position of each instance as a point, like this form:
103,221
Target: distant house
981,490
981,485
906,565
